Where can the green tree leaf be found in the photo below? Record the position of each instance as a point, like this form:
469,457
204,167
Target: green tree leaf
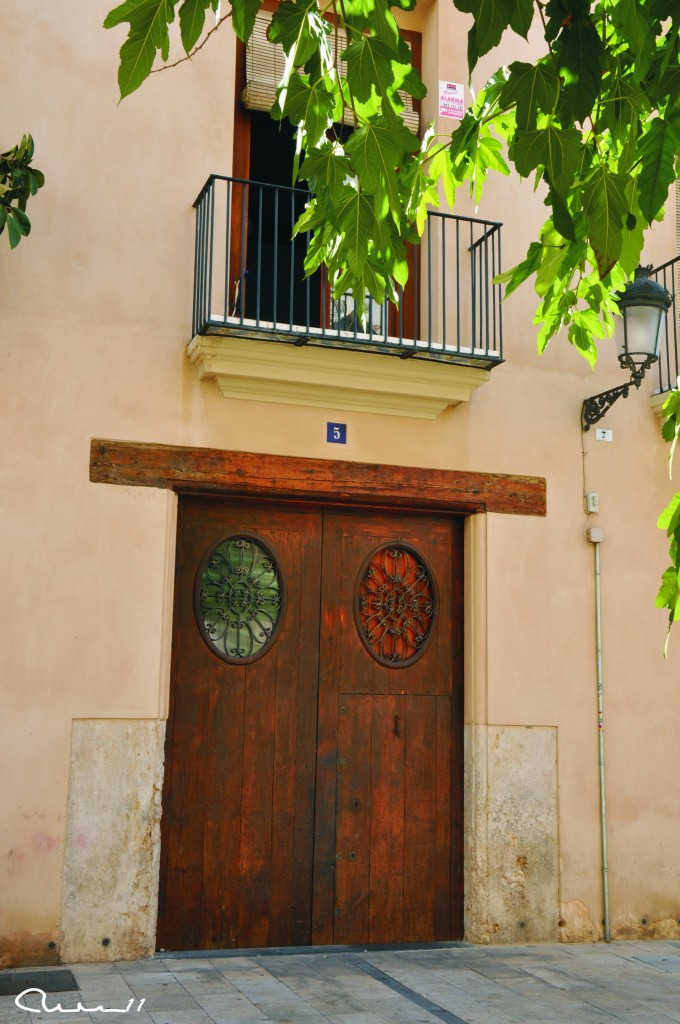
533,88
304,35
243,14
492,17
561,215
581,62
148,34
327,166
359,227
522,17
370,67
635,28
519,274
18,181
556,150
375,152
671,426
632,232
191,21
307,105
604,207
658,151
18,226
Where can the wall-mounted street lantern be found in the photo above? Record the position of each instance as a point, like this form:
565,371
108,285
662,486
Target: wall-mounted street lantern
643,304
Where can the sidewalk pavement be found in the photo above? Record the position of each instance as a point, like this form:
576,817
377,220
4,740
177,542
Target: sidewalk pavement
444,983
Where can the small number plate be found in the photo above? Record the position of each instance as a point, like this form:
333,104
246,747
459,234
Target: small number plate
336,433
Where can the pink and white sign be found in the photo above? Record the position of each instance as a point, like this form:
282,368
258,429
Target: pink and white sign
451,100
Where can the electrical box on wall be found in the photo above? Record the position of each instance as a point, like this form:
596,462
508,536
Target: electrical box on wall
592,502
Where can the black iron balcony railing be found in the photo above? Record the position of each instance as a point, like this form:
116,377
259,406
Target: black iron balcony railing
249,279
668,274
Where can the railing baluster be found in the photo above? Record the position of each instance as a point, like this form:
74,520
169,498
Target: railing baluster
444,287
416,297
493,291
675,275
430,220
458,286
245,195
500,296
211,247
204,268
486,283
275,282
291,288
227,255
473,290
308,237
258,285
195,318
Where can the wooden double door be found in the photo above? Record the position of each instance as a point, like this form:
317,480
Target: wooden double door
313,775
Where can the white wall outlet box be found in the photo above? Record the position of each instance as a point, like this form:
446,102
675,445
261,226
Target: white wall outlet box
592,502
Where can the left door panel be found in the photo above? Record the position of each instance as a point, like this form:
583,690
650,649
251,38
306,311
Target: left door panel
238,799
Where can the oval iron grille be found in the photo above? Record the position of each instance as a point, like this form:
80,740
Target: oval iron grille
239,599
395,605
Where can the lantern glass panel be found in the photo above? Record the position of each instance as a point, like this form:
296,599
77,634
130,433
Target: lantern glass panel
641,334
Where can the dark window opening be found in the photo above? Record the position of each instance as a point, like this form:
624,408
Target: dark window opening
276,288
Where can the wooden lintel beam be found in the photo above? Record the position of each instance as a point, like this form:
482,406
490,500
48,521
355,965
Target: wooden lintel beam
357,483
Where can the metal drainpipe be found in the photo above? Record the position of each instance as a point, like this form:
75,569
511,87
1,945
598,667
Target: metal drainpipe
595,536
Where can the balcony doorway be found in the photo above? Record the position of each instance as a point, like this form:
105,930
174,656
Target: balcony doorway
274,288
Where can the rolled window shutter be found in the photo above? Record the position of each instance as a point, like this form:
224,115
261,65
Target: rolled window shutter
265,63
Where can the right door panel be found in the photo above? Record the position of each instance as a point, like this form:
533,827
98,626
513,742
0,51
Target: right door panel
388,846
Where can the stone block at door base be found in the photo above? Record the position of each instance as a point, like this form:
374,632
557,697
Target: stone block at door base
511,834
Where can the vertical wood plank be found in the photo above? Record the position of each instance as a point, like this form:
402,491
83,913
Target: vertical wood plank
185,804
330,640
442,836
169,780
283,810
457,928
419,728
353,820
387,822
307,654
223,776
257,799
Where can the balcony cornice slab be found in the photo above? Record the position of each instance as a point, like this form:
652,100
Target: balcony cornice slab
334,378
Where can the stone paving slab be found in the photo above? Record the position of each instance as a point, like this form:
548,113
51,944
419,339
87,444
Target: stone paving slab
624,983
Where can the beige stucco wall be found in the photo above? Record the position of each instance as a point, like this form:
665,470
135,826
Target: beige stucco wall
95,313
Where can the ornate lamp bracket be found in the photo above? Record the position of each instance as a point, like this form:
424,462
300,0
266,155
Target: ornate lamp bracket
594,408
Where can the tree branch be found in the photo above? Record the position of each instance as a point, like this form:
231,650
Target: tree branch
166,67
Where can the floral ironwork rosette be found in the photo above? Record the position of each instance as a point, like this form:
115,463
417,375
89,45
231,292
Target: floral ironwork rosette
239,599
395,605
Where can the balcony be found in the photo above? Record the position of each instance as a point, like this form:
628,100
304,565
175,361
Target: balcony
668,275
250,290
